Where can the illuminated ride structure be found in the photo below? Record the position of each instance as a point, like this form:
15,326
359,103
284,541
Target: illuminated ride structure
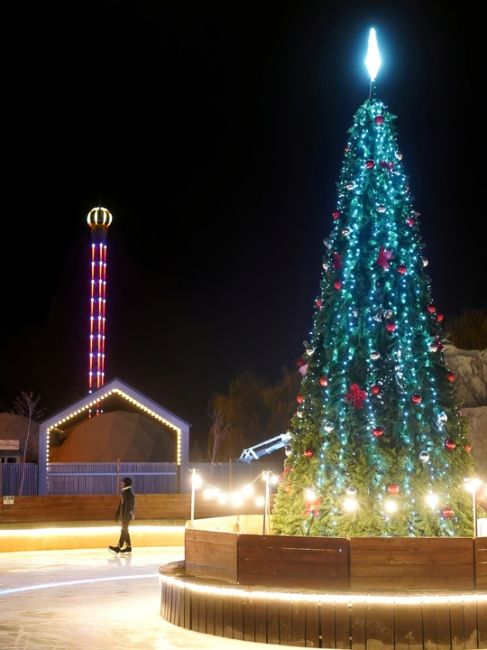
264,448
99,220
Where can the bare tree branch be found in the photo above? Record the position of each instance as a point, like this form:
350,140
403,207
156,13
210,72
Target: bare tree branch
27,404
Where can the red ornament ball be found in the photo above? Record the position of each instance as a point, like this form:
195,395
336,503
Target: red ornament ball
375,390
299,399
383,164
370,164
468,448
440,318
416,399
378,432
336,214
391,327
308,453
451,377
450,445
410,222
337,285
431,309
323,381
379,120
393,488
319,302
447,513
401,269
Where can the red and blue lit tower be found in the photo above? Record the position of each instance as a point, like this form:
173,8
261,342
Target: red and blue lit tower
98,219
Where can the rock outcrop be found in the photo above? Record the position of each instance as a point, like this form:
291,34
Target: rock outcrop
470,367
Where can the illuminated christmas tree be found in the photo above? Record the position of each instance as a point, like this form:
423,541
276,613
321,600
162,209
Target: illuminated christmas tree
377,445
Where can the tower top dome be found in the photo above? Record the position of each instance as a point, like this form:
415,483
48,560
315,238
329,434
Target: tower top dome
99,217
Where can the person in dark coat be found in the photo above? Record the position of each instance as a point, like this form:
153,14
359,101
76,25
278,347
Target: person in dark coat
125,513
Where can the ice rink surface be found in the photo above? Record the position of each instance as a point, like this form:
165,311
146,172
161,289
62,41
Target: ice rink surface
91,599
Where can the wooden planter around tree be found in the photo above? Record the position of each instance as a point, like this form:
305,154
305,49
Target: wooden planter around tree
329,592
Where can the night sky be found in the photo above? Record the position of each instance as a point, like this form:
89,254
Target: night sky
214,133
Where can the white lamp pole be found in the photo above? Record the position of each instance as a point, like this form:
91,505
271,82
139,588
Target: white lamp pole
194,481
472,485
474,511
266,502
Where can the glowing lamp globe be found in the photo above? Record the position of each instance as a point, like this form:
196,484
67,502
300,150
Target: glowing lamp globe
350,504
99,217
391,506
432,500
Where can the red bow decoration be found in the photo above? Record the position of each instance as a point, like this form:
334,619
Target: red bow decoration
383,258
313,507
356,396
285,472
303,369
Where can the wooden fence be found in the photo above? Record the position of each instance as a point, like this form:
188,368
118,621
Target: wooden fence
315,561
412,563
334,622
102,508
398,564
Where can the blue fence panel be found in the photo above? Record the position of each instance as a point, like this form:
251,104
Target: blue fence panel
104,478
148,478
11,479
229,476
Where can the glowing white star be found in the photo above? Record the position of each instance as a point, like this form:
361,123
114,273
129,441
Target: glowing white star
373,60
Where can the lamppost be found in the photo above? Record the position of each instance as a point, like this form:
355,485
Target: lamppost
268,479
196,482
472,485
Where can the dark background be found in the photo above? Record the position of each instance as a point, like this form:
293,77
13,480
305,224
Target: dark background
214,134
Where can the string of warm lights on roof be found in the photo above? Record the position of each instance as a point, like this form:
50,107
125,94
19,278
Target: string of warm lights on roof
131,400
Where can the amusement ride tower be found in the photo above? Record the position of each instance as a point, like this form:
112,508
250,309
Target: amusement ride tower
98,219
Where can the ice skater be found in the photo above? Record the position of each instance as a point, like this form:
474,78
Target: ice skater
125,513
